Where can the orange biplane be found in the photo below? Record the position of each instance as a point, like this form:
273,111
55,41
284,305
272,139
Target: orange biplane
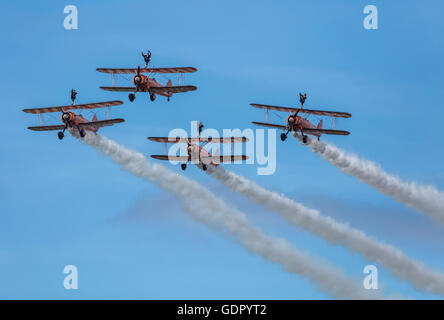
73,120
196,152
297,123
147,83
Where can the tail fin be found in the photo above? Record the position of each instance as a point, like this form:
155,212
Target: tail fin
94,118
320,125
169,84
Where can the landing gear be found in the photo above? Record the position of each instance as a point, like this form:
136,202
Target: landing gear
152,96
168,99
283,136
131,97
61,134
204,167
183,166
304,138
82,132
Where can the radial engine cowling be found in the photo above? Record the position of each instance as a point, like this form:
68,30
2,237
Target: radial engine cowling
67,116
139,79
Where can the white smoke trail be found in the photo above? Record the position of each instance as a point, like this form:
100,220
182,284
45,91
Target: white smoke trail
207,208
424,198
334,232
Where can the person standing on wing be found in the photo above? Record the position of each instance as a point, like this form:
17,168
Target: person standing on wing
302,98
147,57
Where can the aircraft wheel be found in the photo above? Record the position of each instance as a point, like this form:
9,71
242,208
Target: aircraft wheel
183,166
283,136
204,167
131,97
60,134
168,99
82,133
304,139
152,97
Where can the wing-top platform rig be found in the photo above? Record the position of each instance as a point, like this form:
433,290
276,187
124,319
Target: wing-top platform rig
70,119
297,123
144,80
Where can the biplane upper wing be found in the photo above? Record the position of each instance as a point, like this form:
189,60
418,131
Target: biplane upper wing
147,70
224,140
325,131
269,125
335,114
47,128
101,123
200,139
73,107
175,89
166,157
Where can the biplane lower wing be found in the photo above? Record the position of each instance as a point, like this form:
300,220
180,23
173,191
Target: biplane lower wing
47,128
100,123
200,139
335,114
74,107
221,159
176,89
206,160
314,131
119,89
269,125
159,90
171,158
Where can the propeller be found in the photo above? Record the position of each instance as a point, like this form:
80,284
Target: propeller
65,117
137,78
189,150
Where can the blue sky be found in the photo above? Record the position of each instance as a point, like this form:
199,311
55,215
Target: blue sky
62,203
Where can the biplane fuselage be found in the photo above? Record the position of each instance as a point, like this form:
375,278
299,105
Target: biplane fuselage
297,123
74,120
71,119
143,83
196,152
147,83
